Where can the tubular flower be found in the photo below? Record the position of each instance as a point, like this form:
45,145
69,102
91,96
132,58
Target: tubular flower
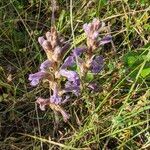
73,83
74,88
70,75
42,74
36,77
97,64
53,46
45,44
69,61
41,40
106,39
78,51
46,65
92,32
55,98
54,69
91,29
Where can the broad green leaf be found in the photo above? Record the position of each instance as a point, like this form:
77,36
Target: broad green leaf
130,58
89,77
145,72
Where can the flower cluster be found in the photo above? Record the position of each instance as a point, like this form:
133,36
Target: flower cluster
54,69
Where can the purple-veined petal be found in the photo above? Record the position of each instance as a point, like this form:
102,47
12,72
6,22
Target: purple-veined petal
95,35
45,65
97,64
92,29
65,48
70,75
78,51
55,98
36,77
86,28
73,83
69,61
106,39
71,87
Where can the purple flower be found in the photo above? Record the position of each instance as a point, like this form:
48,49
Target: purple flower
45,44
91,29
65,48
106,40
73,83
36,77
55,98
74,88
97,64
70,75
69,61
45,65
78,51
86,28
42,102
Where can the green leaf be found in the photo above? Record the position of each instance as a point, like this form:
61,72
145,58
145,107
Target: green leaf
89,77
102,2
143,2
145,72
129,59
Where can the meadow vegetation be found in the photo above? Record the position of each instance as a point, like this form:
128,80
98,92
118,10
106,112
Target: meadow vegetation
116,117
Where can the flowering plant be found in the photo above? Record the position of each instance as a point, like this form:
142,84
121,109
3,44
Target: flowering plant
54,69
